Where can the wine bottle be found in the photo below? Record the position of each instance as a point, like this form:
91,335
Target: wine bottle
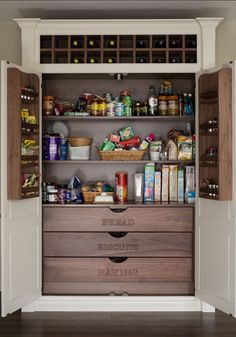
111,60
77,60
92,60
159,59
76,44
174,43
140,44
160,43
141,60
111,43
92,43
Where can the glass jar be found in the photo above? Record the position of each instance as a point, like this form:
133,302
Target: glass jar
173,108
48,105
94,107
102,107
111,109
52,196
163,105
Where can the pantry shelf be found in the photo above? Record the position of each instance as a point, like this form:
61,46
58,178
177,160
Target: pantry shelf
123,205
104,162
105,118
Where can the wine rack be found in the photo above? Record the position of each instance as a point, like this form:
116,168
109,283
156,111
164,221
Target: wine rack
215,135
22,161
118,49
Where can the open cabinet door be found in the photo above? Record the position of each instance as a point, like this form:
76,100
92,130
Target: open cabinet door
20,202
215,207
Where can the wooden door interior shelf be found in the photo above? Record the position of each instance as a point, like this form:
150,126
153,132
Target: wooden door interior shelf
79,49
17,163
215,169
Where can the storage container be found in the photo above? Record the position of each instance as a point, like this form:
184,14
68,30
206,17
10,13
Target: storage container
79,153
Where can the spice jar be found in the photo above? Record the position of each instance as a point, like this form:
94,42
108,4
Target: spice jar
48,105
52,196
94,107
163,105
102,107
173,108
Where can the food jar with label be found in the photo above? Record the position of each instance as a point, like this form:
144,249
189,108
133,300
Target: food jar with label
48,105
52,196
111,109
119,109
163,105
94,107
173,108
102,107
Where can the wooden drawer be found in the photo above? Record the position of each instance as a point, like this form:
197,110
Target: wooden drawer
131,270
132,219
105,244
135,276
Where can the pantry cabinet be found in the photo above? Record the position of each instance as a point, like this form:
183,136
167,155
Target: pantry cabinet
130,249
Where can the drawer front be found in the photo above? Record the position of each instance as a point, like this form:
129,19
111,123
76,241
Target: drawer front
127,244
107,220
104,270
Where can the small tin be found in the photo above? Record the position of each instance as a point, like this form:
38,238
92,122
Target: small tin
121,186
62,191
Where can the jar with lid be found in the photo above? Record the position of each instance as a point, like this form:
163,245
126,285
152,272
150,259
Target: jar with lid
94,107
111,109
102,107
163,105
52,196
173,106
48,105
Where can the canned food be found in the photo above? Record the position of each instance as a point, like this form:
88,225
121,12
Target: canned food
111,109
52,196
48,105
119,109
121,186
163,105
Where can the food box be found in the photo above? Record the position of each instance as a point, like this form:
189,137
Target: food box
149,179
184,148
181,185
157,186
165,183
173,180
190,185
126,133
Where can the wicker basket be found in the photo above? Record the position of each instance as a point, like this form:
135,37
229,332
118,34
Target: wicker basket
122,155
80,141
89,197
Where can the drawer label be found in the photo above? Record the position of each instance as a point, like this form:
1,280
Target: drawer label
117,222
111,272
118,246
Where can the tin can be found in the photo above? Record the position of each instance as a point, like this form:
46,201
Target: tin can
62,194
68,196
111,109
121,186
63,149
119,109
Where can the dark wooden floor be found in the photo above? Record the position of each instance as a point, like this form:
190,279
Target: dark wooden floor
117,324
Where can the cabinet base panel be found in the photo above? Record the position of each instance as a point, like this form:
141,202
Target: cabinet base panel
118,288
117,303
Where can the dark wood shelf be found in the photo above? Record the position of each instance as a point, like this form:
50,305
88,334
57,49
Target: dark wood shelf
202,133
206,196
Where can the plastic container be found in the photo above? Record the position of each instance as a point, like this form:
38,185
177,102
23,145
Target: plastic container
79,153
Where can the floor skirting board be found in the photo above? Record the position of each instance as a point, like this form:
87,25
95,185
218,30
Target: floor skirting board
118,303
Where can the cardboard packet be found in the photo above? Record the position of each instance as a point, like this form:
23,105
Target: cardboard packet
173,180
149,179
165,183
